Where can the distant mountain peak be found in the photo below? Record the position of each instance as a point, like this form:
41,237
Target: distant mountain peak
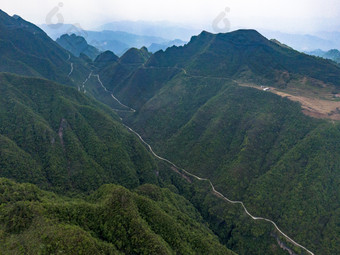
15,16
244,54
106,58
205,33
135,56
243,36
76,45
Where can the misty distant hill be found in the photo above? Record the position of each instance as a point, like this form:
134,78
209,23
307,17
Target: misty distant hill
116,41
305,42
162,29
331,54
156,47
77,45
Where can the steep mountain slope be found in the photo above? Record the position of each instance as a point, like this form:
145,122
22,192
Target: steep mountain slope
113,220
239,137
27,50
57,138
245,55
258,148
106,58
61,140
135,56
77,45
253,145
116,75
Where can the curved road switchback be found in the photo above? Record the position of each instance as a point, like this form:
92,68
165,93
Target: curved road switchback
219,194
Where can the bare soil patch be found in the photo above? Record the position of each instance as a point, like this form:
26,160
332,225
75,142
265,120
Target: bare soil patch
312,106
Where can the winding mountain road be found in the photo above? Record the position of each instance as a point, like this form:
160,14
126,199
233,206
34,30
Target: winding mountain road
125,106
71,71
84,82
71,63
219,194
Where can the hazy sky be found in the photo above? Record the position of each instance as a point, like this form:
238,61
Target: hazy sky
292,16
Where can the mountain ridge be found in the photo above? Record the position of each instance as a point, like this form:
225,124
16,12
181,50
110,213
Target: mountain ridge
77,45
254,146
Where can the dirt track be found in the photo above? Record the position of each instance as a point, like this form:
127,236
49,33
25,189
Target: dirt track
314,107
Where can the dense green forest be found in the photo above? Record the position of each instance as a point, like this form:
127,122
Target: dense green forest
75,180
58,138
112,220
255,147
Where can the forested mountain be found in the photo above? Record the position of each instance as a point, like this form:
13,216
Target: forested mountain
112,220
200,105
255,146
58,138
77,45
27,50
106,58
245,55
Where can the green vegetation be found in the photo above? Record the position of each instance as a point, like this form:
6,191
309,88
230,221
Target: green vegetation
248,142
248,56
105,58
254,146
26,50
113,220
135,56
55,137
77,45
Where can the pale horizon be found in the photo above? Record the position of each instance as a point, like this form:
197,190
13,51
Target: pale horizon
303,17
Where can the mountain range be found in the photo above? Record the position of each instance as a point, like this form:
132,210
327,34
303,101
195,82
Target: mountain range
116,41
331,54
169,31
202,106
164,29
213,147
306,42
